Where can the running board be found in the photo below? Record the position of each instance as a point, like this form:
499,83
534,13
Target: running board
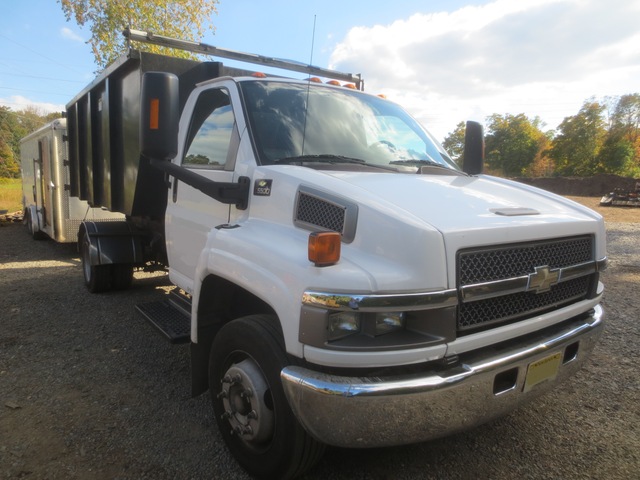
170,316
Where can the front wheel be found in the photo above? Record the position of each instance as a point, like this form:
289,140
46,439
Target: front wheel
249,403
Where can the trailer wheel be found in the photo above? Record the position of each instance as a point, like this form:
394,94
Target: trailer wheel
97,278
250,406
31,228
122,276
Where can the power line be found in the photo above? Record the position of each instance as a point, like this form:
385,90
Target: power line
37,91
38,53
42,78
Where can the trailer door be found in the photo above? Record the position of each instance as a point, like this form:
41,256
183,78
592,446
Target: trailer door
47,186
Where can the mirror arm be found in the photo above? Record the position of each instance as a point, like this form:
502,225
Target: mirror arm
224,192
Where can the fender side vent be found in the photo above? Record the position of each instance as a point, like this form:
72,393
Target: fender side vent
317,210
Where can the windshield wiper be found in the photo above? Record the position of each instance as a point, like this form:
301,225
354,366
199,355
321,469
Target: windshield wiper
418,163
322,158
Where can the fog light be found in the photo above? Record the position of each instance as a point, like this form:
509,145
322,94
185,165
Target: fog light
389,322
343,324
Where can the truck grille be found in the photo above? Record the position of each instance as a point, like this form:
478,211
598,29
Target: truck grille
510,261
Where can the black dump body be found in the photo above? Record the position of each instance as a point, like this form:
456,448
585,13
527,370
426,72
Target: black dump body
105,163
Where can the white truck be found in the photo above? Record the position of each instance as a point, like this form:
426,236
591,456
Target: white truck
345,283
49,210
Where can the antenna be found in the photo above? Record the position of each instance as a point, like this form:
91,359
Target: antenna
313,39
306,103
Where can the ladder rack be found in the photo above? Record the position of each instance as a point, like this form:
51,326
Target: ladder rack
205,49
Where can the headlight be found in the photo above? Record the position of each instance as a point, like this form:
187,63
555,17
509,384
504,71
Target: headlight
343,324
389,322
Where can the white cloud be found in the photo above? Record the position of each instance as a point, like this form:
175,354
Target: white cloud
71,35
539,57
18,102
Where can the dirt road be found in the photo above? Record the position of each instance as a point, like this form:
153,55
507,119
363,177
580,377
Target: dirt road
89,390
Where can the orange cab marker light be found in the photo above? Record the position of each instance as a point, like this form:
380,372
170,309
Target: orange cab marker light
315,80
334,82
382,95
350,85
154,114
324,248
259,75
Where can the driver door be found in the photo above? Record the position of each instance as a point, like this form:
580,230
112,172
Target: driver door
210,150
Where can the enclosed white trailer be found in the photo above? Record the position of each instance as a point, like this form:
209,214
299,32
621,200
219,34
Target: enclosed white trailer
49,210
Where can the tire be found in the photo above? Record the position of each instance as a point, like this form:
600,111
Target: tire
121,276
97,278
249,403
35,234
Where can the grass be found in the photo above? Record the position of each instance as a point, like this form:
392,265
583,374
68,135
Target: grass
10,194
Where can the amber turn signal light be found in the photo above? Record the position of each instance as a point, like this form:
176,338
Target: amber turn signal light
324,248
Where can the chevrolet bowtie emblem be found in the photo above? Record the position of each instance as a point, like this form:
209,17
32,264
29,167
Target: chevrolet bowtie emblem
543,279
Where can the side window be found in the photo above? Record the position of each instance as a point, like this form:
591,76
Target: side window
210,131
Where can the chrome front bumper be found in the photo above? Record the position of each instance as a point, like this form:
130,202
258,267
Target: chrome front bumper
376,412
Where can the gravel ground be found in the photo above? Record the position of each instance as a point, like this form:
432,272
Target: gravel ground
89,390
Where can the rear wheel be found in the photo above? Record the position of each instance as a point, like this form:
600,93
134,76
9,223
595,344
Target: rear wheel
122,276
249,402
97,278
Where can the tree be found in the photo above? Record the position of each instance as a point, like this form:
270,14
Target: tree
512,143
185,19
10,134
454,143
625,118
13,127
581,137
621,152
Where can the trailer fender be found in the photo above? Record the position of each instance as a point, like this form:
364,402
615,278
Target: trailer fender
112,242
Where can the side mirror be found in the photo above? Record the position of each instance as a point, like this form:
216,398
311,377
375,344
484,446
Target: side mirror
473,156
159,115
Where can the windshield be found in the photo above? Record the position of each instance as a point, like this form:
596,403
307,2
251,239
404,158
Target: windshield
301,124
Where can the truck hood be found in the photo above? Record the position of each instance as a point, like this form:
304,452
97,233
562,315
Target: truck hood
478,210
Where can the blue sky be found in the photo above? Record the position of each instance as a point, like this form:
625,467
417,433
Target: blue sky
444,61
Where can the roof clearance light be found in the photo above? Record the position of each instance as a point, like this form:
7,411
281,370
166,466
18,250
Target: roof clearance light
334,82
350,85
154,114
324,248
315,80
259,75
382,95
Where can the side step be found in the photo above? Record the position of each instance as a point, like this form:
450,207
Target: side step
171,316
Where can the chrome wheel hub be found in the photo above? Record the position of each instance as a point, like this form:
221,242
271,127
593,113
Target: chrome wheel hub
247,402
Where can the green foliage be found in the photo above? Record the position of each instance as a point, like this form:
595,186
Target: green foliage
454,143
13,127
576,148
512,143
185,19
603,137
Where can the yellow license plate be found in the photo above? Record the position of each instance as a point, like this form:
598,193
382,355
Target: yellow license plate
542,370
